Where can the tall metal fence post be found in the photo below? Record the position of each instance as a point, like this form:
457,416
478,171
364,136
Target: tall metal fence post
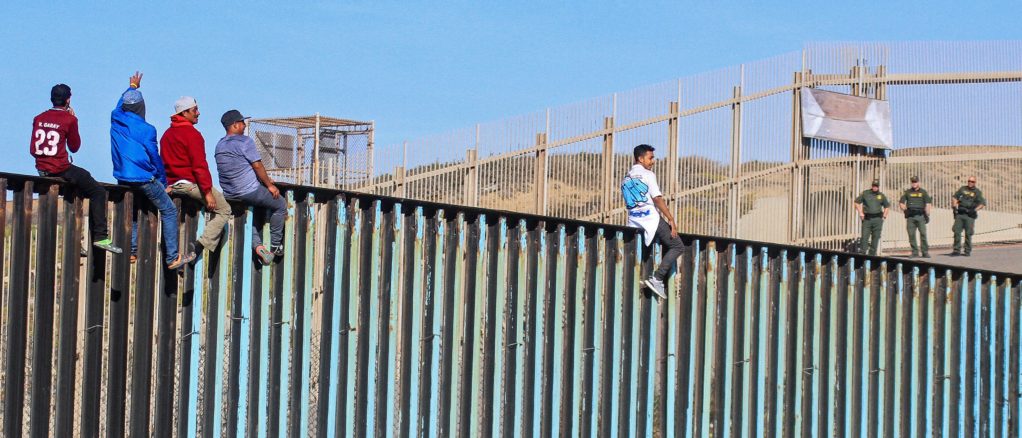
606,202
400,190
734,191
471,178
541,171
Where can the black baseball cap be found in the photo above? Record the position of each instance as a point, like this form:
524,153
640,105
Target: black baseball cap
60,93
876,183
231,117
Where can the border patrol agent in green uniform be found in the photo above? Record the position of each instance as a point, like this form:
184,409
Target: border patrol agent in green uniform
916,203
873,207
966,202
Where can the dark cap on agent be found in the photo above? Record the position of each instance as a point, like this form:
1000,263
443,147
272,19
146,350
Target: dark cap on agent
231,117
914,179
876,183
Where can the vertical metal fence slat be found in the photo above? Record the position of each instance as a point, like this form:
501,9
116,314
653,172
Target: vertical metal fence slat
955,344
382,360
186,332
628,292
273,344
984,356
92,352
699,340
65,388
875,292
149,261
466,368
567,353
240,256
858,296
608,294
841,295
488,340
406,301
166,333
791,372
759,258
512,341
1014,391
43,303
429,306
683,346
234,314
1001,331
923,296
940,340
906,295
718,372
300,282
530,359
365,293
738,354
827,292
642,389
970,359
773,332
16,303
589,324
344,329
889,371
120,290
552,239
807,370
452,232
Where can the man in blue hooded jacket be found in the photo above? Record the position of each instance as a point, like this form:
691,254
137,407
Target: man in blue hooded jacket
137,163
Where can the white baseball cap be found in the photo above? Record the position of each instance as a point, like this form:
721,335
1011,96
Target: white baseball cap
184,103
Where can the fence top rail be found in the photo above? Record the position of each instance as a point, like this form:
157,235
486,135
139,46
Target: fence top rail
327,193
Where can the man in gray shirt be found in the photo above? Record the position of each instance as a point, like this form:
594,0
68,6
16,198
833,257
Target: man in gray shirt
243,178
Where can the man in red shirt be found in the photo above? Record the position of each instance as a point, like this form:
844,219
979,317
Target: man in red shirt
184,158
53,132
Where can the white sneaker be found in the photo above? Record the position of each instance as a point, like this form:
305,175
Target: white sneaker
655,286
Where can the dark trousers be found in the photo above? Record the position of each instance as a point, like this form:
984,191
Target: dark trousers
88,186
276,208
672,250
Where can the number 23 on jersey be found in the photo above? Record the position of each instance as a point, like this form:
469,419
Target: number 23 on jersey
50,138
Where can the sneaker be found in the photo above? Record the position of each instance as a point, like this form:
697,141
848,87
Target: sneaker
265,256
197,249
655,286
914,255
107,245
277,250
926,255
955,254
182,259
966,254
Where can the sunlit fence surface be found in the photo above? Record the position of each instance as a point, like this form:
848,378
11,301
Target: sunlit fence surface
732,161
398,317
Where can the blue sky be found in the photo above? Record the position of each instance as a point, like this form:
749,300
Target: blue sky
414,67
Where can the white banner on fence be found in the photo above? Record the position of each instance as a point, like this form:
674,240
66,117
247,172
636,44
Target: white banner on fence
844,118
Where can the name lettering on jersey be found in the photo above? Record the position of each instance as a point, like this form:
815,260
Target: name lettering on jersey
49,125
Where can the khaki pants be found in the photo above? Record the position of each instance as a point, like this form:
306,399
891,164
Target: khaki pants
215,221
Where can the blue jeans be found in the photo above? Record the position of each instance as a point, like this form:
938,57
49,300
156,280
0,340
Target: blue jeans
277,208
157,194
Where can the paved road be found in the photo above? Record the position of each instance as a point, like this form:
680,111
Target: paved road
1004,258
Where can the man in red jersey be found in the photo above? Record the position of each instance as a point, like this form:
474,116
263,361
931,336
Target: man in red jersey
53,132
184,158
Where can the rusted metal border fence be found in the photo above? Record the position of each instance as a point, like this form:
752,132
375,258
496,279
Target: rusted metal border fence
732,161
400,317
